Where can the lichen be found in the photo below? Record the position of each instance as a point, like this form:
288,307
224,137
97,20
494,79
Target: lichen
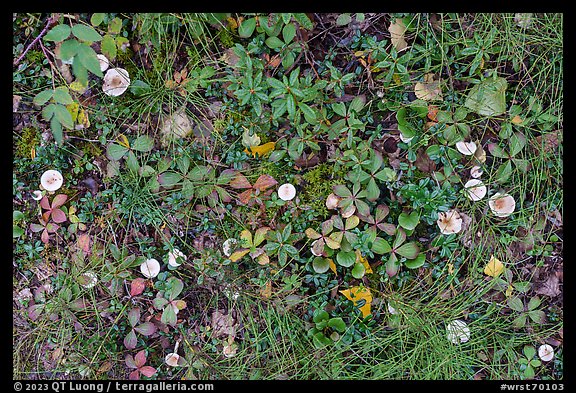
318,185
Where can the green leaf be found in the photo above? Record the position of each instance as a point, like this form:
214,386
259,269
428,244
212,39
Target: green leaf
43,97
177,286
309,114
288,33
115,25
108,47
132,162
115,151
341,191
58,33
488,98
169,179
519,321
89,59
504,172
516,304
529,351
538,316
362,207
247,27
356,105
62,96
17,231
139,87
68,49
63,116
409,221
97,18
339,108
337,324
198,173
303,20
169,316
417,262
372,190
57,132
346,258
291,105
17,215
86,33
274,42
320,315
343,19
517,143
381,246
320,265
80,71
529,372
533,303
358,271
143,143
409,250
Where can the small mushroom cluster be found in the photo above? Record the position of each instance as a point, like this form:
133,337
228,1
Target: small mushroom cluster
116,80
150,268
501,204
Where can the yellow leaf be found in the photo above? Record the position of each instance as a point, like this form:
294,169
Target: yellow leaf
429,90
267,290
246,238
232,23
361,259
494,268
356,294
78,87
517,120
83,118
509,291
397,30
236,255
123,141
332,266
261,150
73,110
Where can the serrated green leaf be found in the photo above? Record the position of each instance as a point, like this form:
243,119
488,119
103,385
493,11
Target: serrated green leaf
517,143
115,151
108,47
343,19
529,351
132,162
169,179
533,303
488,98
43,97
169,316
62,96
63,116
143,143
68,49
538,316
89,59
57,132
80,71
504,172
58,33
86,33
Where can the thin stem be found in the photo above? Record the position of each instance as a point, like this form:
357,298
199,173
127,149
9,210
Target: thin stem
51,21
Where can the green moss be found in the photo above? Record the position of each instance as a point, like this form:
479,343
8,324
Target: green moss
29,139
318,185
225,38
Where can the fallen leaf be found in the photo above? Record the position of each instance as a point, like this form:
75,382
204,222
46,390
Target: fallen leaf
397,30
332,266
250,140
84,243
488,98
362,259
429,90
264,182
267,290
260,150
550,287
137,286
15,102
494,267
356,294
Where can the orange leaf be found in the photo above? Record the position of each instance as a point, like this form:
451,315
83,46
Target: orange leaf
517,120
494,267
261,150
245,196
332,266
267,290
355,294
363,261
432,112
240,181
264,182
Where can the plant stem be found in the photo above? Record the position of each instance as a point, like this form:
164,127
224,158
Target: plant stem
51,21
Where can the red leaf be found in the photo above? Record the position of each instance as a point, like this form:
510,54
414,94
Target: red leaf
58,215
36,227
137,286
45,237
147,328
134,316
148,371
44,203
83,242
140,359
130,361
239,181
264,182
130,341
59,200
134,375
245,196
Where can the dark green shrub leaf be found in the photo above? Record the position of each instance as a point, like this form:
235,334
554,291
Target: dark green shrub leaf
247,27
86,33
288,33
43,97
346,258
58,33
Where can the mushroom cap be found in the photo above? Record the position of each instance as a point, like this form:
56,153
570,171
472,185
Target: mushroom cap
103,60
466,148
51,180
475,189
449,222
228,245
88,279
546,352
392,310
37,195
286,192
312,248
476,171
458,331
172,257
150,268
332,201
116,81
172,359
502,205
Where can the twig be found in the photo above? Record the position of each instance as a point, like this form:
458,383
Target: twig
51,20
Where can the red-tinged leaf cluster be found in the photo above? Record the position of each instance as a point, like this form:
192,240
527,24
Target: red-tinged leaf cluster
137,286
260,187
138,363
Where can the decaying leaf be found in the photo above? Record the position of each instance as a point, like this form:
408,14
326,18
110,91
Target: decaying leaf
267,290
332,266
357,294
250,140
429,90
550,287
488,98
494,267
397,30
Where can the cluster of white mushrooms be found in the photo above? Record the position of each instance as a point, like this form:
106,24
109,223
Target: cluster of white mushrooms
501,204
116,80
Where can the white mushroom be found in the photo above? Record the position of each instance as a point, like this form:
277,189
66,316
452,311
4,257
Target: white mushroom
475,189
476,171
150,268
88,280
286,192
546,352
116,81
51,180
458,332
37,195
502,205
104,63
332,201
449,222
466,148
228,246
172,359
392,310
172,261
312,248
